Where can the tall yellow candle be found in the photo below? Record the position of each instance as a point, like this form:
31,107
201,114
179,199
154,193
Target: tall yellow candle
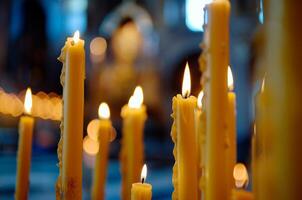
141,191
185,170
261,146
69,185
231,150
241,180
216,60
200,130
132,149
100,170
24,150
284,88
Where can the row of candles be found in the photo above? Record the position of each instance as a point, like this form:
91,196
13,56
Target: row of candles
204,129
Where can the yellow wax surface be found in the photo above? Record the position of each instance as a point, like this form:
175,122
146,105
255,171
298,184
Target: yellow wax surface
216,60
100,170
231,150
185,170
132,148
73,112
200,130
141,191
24,157
260,149
242,195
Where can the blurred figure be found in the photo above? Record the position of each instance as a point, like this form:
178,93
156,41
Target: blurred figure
115,82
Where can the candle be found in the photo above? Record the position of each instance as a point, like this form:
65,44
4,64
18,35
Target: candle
69,185
132,150
104,135
241,180
200,130
214,63
260,149
185,175
231,150
141,191
284,91
24,149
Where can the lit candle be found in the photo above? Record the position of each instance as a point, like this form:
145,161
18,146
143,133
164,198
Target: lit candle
132,149
200,131
143,190
69,185
104,138
214,63
24,149
231,149
185,170
241,180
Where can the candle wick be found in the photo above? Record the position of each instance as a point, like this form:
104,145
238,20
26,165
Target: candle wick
143,180
72,42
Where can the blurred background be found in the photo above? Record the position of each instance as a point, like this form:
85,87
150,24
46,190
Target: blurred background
127,43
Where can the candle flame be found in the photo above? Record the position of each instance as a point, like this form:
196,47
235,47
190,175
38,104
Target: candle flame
136,100
76,36
263,85
230,79
240,175
104,111
199,99
186,83
28,101
144,173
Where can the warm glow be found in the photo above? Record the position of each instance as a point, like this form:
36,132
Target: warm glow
136,100
90,146
28,101
98,46
144,173
76,37
230,79
92,129
104,112
186,83
240,175
199,99
263,85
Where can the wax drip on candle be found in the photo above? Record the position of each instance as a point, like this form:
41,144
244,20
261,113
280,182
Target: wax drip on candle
230,79
199,99
144,173
240,175
263,85
76,37
28,101
186,83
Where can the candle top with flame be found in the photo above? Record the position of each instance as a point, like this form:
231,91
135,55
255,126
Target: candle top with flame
240,175
28,101
136,100
144,173
199,99
104,111
230,79
186,83
76,37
